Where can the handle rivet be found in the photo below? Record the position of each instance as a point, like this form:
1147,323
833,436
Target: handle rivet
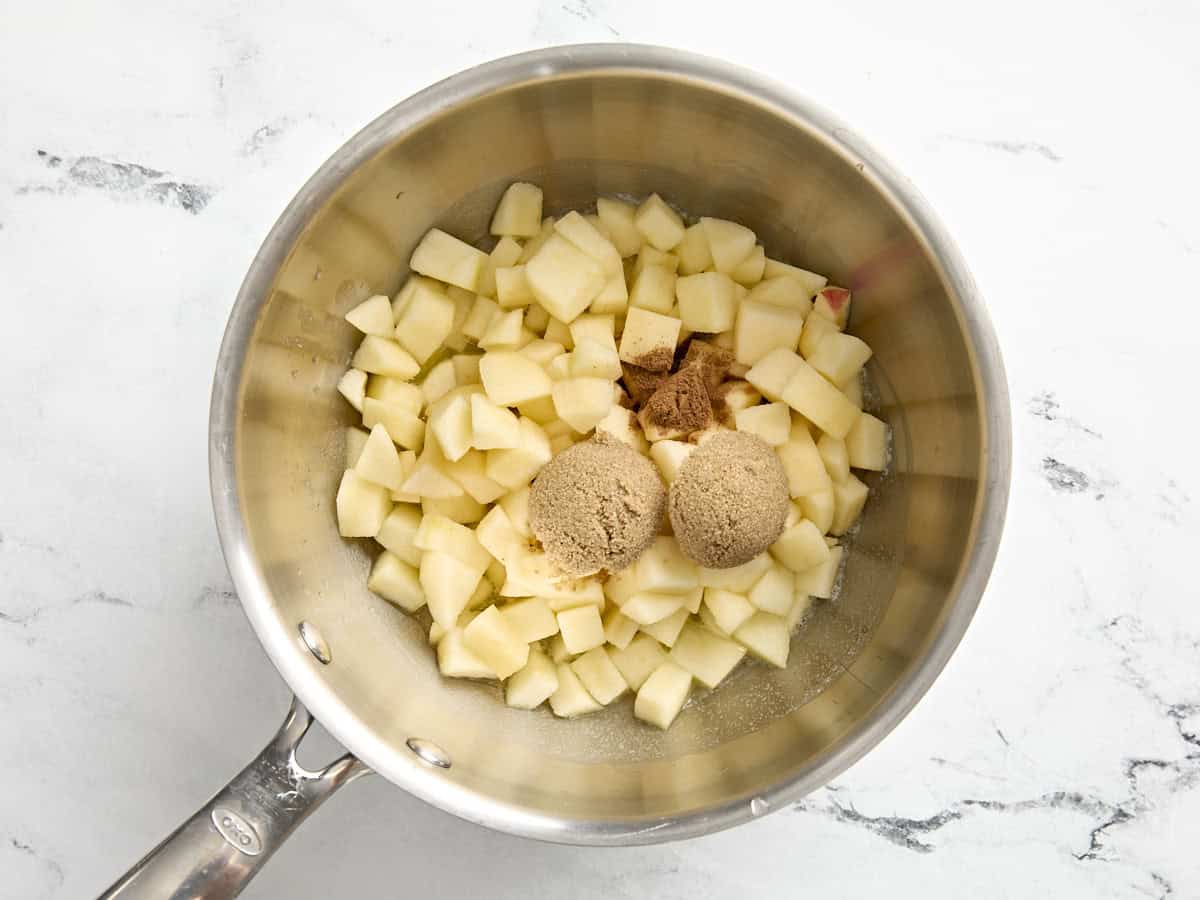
429,752
315,642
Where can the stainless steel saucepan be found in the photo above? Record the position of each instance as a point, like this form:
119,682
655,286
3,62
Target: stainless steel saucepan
586,121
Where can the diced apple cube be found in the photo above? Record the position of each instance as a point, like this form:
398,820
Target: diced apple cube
480,317
512,287
542,351
362,506
810,281
749,271
782,291
396,581
373,316
840,357
519,212
463,508
408,463
581,628
439,380
729,243
597,327
819,580
471,473
450,421
510,378
563,278
402,426
729,610
707,656
849,497
571,698
833,454
516,507
818,508
426,321
395,392
438,533
802,463
504,255
762,327
560,333
492,427
660,225
599,676
429,480
648,607
496,643
833,303
693,252
669,457
853,389
446,258
820,402
663,694
531,619
622,424
618,218
517,466
613,297
706,302
448,584
663,568
503,332
648,256
638,659
582,402
739,579
356,439
496,534
773,371
397,532
767,637
379,462
801,547
774,591
591,359
619,629
534,684
665,631
649,340
384,357
770,421
580,232
816,329
653,289
353,386
867,443
456,661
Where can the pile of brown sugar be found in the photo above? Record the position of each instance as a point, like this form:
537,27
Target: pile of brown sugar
596,505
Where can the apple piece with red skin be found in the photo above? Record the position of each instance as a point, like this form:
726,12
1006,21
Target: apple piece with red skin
833,303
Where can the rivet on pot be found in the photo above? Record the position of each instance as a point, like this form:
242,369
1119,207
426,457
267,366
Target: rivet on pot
315,642
429,752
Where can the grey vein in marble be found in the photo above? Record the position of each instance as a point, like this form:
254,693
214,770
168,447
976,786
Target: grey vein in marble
1013,147
123,179
1063,478
1045,406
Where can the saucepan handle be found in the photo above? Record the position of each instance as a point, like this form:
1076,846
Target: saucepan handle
216,852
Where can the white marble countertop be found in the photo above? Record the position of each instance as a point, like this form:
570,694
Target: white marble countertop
144,152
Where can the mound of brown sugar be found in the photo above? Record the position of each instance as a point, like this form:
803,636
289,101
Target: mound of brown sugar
679,407
596,505
730,500
641,383
712,361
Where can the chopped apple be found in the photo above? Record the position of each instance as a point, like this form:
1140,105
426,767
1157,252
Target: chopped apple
373,316
849,497
408,463
649,340
559,333
802,463
840,357
660,225
816,329
504,331
571,699
653,289
362,506
662,695
516,507
833,454
563,278
396,581
557,650
492,427
663,568
853,389
512,287
648,607
353,386
669,457
801,547
771,373
534,244
618,218
402,427
706,302
782,291
707,656
439,380
438,533
381,356
637,660
464,302
448,584
734,396
749,271
592,359
801,606
379,462
397,532
810,281
463,508
773,592
519,212
619,629
480,317
599,328
622,424
581,628
729,243
739,579
770,421
819,581
867,443
599,676
496,534
395,392
446,258
356,439
580,232
648,256
820,402
693,252
510,378
470,471
767,637
516,467
429,480
818,508
729,610
455,660
426,321
833,303
665,631
762,327
613,297
450,422
531,619
582,402
534,684
504,255
496,643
